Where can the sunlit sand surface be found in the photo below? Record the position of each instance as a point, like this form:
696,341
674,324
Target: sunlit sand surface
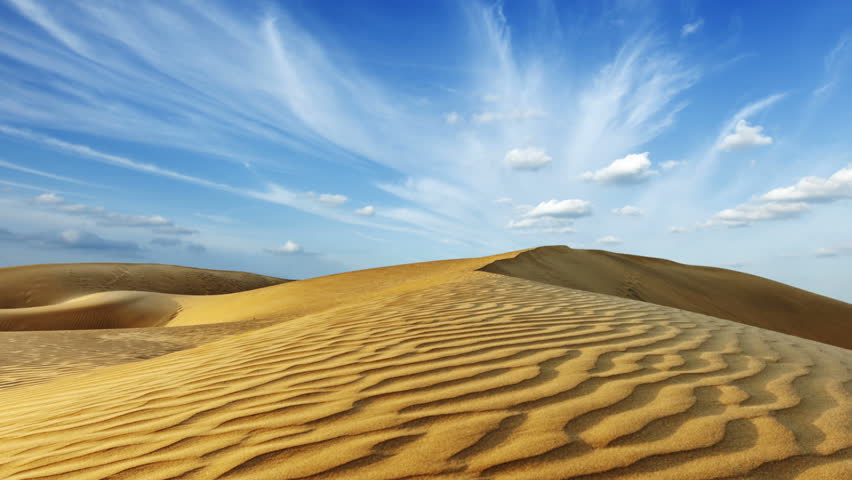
426,371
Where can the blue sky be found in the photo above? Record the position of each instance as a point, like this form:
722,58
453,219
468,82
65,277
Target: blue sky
306,138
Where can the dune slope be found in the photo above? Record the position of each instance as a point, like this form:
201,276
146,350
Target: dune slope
478,376
40,285
712,291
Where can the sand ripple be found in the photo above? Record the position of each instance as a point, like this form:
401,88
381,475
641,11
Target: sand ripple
487,376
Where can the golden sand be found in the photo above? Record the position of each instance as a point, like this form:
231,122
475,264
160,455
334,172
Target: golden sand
438,371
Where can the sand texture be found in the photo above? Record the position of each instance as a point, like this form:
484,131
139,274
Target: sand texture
434,371
712,291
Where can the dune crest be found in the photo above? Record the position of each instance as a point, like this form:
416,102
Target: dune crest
712,291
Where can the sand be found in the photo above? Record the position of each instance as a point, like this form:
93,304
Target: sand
712,291
438,371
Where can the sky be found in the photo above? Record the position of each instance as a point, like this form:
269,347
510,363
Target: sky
310,137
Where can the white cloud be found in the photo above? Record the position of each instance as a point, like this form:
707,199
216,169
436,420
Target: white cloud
491,117
80,209
746,214
287,248
670,164
744,137
679,229
530,158
633,168
609,240
834,251
452,118
122,220
561,208
628,211
367,211
333,200
48,199
503,201
32,171
541,225
815,189
690,28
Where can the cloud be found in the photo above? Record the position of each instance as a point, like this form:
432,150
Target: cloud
680,229
691,28
530,158
746,214
156,223
367,211
452,118
541,225
217,218
287,248
633,168
72,239
48,199
561,209
491,117
837,251
166,242
503,201
670,164
32,171
628,211
609,240
333,200
744,137
816,189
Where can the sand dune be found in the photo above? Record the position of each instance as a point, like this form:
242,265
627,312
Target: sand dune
39,285
712,291
445,373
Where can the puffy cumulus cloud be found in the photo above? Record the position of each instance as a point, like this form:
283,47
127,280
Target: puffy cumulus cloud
333,200
633,168
746,214
744,137
670,164
530,158
690,28
491,117
166,242
573,208
816,189
609,240
452,118
287,248
367,211
627,211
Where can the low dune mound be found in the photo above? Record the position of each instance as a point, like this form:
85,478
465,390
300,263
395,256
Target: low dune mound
475,376
39,285
712,291
103,310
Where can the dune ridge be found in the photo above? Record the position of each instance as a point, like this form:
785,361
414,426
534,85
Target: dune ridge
712,291
475,376
41,285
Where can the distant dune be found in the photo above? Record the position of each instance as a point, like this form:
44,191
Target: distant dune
436,370
712,291
38,285
108,295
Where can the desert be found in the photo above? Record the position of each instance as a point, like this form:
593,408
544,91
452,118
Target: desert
433,370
